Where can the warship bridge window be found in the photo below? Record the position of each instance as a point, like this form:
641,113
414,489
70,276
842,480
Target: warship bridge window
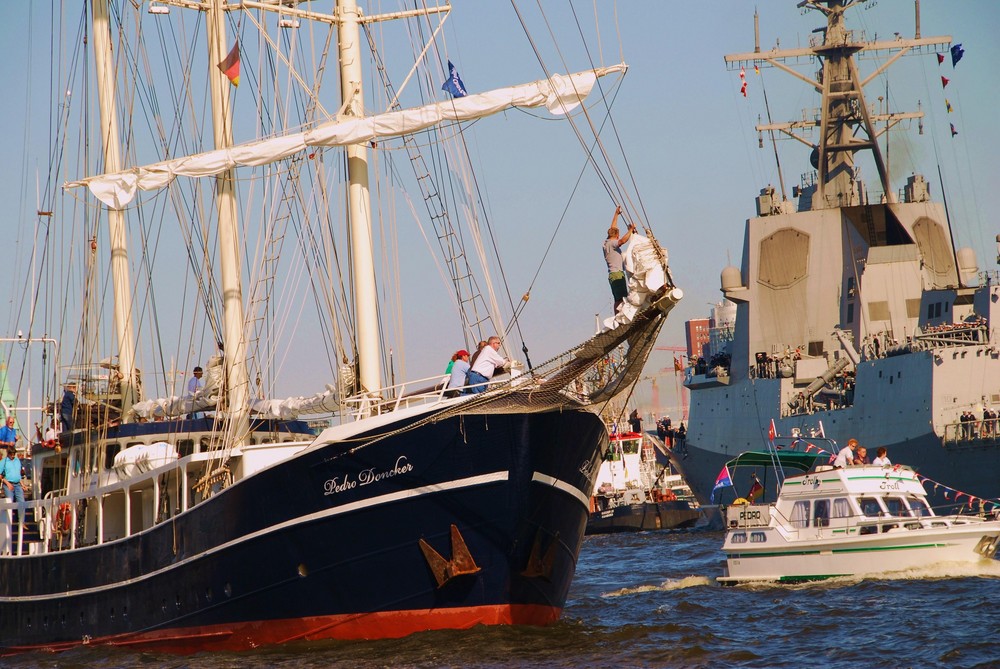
878,310
784,258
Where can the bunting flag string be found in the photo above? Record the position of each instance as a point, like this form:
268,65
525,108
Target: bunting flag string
953,131
953,495
940,57
944,82
947,105
743,82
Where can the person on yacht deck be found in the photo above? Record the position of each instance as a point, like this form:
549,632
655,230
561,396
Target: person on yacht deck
881,457
846,454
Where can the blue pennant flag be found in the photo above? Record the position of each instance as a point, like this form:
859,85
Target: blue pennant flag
722,481
956,54
453,84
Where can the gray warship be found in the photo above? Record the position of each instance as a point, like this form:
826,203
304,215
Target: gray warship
856,315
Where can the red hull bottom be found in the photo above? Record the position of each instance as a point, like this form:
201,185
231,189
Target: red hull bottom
367,626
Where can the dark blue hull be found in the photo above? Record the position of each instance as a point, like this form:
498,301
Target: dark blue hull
672,515
327,544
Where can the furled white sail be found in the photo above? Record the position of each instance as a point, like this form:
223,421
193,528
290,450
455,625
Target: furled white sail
560,94
646,275
292,407
207,397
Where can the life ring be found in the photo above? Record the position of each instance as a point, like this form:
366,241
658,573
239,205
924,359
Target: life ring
64,518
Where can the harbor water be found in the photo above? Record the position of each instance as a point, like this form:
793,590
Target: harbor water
651,600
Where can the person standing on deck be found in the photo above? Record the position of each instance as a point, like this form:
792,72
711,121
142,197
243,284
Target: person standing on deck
11,473
613,257
67,406
195,384
488,360
635,421
8,434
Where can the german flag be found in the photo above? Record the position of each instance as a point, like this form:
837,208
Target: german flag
231,65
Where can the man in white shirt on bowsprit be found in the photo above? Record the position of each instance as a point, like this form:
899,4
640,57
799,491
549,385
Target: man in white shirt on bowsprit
485,365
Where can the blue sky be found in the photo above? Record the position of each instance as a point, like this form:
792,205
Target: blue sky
681,129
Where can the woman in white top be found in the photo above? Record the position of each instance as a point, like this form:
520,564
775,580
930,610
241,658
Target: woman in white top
880,458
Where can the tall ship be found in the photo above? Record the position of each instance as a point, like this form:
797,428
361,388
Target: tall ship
857,316
207,513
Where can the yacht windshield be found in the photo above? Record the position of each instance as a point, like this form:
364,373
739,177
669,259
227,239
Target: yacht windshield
918,506
897,506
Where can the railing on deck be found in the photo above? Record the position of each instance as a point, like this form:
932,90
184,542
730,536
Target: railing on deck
74,525
972,433
412,393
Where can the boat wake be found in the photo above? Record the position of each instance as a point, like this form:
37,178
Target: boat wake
666,586
932,572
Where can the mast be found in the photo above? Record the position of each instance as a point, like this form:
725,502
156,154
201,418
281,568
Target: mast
359,203
120,279
234,343
846,124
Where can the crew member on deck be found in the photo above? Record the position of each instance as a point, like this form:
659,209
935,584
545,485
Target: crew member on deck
8,434
195,384
10,473
635,421
67,406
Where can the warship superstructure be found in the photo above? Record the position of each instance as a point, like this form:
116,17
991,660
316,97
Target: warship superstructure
857,315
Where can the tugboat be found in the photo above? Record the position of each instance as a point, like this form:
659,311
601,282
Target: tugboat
637,489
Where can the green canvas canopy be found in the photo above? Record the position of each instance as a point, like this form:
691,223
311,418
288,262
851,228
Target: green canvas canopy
787,459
